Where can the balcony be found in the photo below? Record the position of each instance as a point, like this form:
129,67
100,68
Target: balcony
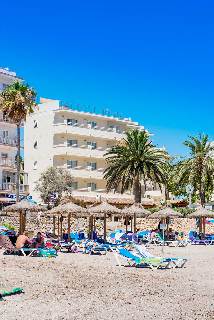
7,121
11,187
8,142
84,172
7,164
78,151
104,132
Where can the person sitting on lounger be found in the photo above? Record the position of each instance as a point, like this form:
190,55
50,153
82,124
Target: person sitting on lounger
23,241
38,241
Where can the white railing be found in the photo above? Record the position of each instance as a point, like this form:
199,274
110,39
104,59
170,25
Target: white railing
5,119
84,172
63,149
8,141
12,187
7,163
103,132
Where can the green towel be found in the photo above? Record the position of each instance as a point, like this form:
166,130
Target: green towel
11,292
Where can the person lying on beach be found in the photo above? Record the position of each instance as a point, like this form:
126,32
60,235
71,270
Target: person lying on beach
23,241
38,242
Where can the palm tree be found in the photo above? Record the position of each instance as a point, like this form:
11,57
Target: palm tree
198,169
16,102
132,161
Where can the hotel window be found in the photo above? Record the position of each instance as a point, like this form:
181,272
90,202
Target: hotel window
35,165
35,145
92,145
4,155
71,164
35,124
92,165
72,122
74,185
72,143
5,134
92,124
92,186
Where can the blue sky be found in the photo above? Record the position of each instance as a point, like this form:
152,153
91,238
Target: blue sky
150,60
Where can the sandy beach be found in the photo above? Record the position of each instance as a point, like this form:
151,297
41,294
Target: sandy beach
76,286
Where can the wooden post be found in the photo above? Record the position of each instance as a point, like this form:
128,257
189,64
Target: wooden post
135,223
126,220
54,225
167,231
204,225
58,231
200,225
20,222
104,234
23,221
61,222
69,227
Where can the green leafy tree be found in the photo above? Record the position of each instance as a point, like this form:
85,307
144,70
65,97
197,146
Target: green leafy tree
198,168
53,182
16,102
134,161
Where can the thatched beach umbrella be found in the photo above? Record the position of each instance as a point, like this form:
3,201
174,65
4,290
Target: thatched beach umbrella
164,215
135,211
68,210
202,214
22,208
102,210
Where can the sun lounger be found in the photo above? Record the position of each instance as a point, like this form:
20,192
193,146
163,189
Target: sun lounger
136,261
178,262
10,249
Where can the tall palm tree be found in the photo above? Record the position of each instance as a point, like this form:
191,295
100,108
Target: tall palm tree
132,161
16,102
198,169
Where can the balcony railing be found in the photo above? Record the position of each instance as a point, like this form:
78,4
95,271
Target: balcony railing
6,120
7,163
63,149
103,132
84,172
8,141
11,187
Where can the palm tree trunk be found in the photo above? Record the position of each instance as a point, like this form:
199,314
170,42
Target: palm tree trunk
202,198
137,190
166,193
137,197
18,162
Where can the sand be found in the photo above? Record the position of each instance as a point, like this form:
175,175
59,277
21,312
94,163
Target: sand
76,286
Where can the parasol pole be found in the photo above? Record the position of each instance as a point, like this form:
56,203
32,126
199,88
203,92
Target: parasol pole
104,226
135,220
54,225
126,218
69,227
58,228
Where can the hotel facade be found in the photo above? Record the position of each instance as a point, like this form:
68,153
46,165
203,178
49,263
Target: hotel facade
8,148
74,140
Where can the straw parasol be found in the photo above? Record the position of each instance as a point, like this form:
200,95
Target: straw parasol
22,208
135,211
69,210
24,205
102,210
202,214
165,213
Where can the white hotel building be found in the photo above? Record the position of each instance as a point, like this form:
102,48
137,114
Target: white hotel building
73,140
8,146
